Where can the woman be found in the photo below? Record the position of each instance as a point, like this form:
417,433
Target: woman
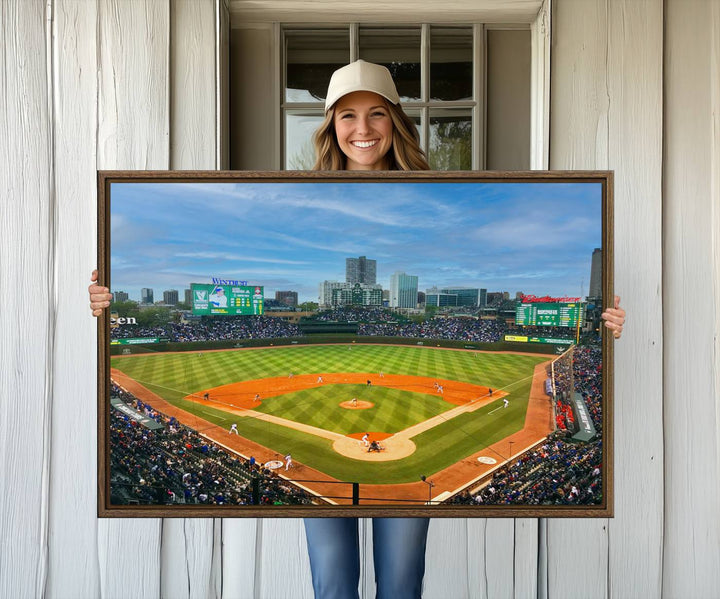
365,129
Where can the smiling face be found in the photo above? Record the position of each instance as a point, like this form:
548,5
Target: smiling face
364,130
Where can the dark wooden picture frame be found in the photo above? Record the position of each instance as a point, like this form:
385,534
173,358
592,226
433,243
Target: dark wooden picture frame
467,400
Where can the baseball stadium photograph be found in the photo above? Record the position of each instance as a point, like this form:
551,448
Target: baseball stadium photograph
287,345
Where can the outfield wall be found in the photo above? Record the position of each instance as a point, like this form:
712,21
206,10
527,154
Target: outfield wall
150,348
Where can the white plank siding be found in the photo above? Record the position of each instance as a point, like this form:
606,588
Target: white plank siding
691,323
635,535
607,113
27,311
73,485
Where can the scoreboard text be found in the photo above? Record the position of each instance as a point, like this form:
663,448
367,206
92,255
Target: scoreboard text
549,315
226,299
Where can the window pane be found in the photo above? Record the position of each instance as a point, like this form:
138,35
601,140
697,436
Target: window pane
311,58
299,149
451,56
414,115
399,51
450,145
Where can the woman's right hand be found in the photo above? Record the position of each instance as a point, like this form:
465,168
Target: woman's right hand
99,296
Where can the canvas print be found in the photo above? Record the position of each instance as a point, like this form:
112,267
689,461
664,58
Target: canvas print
335,346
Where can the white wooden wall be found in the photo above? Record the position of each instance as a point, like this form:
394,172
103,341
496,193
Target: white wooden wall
635,87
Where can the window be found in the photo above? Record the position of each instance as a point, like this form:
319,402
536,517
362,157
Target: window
437,71
467,87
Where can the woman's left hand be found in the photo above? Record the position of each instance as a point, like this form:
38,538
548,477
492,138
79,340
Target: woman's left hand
615,318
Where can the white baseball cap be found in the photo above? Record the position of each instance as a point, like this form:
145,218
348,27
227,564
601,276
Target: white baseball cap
361,76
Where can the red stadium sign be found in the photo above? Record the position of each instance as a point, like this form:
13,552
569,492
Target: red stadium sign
546,299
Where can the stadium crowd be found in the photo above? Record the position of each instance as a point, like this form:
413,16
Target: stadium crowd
214,328
357,314
587,368
461,329
175,464
372,322
561,471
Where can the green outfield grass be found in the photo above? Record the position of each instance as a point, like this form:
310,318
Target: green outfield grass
172,376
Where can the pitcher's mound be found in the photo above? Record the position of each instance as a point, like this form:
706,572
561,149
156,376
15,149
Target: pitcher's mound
358,405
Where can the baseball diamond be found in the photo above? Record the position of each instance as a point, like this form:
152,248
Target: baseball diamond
427,411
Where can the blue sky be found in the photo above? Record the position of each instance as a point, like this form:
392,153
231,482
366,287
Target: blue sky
532,237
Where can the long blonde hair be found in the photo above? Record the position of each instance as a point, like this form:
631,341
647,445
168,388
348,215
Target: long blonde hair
404,155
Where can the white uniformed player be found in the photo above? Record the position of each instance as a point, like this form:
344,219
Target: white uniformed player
233,429
288,461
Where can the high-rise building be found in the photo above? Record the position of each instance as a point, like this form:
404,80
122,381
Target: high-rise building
361,270
325,292
146,296
289,298
170,297
596,274
440,299
188,297
120,296
403,290
466,296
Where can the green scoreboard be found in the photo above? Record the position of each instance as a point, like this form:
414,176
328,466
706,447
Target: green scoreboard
549,315
226,299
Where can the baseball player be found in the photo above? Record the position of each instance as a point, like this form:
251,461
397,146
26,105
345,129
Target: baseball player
320,379
505,402
233,429
288,461
257,397
365,439
354,401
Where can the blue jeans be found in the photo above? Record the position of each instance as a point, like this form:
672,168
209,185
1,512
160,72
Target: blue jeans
398,551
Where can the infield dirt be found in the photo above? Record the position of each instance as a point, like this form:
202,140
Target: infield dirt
239,398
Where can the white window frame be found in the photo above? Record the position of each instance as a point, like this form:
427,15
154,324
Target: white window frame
536,15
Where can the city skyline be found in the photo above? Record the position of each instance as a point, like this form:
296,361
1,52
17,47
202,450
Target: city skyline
534,237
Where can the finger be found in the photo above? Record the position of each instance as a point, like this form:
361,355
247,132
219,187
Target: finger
617,302
94,275
613,314
616,328
95,289
613,318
